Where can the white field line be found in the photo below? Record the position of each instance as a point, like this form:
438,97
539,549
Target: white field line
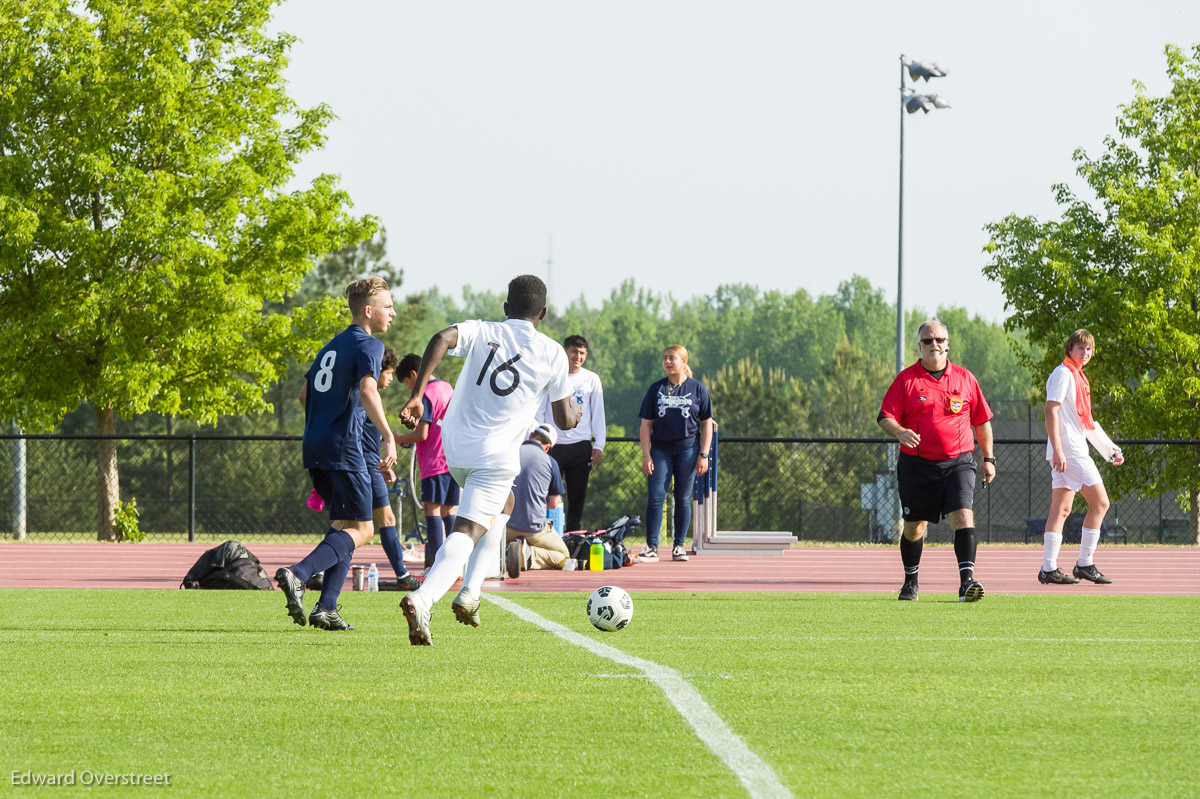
751,770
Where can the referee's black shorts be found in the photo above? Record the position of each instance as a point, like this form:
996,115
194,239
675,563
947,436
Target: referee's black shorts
930,490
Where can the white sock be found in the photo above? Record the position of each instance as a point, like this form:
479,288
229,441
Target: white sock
447,566
486,554
1087,545
1053,541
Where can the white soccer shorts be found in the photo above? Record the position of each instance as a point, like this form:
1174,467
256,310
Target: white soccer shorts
484,492
1080,472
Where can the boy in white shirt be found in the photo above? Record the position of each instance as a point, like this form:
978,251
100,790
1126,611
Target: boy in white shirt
578,451
1069,428
509,367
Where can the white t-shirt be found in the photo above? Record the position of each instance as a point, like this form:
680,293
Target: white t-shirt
589,396
509,368
1060,387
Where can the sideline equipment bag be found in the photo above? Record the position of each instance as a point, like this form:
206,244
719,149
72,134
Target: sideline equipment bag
616,554
229,565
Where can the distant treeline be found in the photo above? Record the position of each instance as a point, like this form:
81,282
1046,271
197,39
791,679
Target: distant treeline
777,364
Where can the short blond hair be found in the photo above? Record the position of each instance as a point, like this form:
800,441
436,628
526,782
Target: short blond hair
1080,336
682,353
360,292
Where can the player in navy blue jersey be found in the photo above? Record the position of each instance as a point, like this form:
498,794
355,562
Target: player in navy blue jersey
381,503
342,383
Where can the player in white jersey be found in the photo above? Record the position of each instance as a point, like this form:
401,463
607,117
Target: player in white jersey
1069,428
509,368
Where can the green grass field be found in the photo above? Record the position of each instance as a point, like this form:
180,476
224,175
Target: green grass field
841,695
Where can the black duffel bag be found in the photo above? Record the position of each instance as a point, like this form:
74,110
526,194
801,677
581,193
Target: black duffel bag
228,566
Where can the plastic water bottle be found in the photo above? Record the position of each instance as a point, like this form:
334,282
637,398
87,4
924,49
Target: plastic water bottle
596,557
373,578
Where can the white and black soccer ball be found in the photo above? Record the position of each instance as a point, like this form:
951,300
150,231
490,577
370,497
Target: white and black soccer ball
609,608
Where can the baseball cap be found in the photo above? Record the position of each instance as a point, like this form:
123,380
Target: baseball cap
548,430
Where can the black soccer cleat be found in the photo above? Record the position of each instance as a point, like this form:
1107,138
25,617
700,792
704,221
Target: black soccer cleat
293,591
409,582
1090,573
1057,577
970,591
908,592
328,619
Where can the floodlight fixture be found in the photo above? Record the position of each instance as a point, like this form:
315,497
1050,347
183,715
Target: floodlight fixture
910,103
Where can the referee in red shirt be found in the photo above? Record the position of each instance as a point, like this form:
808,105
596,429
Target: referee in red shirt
931,408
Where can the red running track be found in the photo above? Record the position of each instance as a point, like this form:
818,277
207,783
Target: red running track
1168,571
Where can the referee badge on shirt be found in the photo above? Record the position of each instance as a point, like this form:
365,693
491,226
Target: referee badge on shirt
955,404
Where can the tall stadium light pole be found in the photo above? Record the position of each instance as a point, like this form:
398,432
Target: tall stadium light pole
910,103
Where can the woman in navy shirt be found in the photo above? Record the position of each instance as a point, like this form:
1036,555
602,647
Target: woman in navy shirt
676,434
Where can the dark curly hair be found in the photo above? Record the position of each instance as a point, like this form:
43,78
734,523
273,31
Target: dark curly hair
526,297
390,361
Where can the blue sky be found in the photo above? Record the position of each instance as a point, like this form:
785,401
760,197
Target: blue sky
690,144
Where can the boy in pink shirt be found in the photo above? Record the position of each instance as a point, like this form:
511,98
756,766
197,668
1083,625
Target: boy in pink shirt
439,493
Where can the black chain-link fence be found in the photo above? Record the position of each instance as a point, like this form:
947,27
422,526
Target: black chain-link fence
821,490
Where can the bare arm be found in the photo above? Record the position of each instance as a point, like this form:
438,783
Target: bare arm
368,395
644,438
1058,460
706,434
983,432
435,350
566,413
553,501
416,436
902,434
303,393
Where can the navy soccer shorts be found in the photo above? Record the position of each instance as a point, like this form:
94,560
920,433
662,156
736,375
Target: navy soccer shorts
440,489
347,495
379,489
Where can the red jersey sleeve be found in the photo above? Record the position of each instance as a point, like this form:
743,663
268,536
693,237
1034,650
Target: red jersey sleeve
893,400
980,412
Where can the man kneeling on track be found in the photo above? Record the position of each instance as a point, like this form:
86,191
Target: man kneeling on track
532,540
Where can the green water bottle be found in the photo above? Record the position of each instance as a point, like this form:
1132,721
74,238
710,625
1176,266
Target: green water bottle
596,557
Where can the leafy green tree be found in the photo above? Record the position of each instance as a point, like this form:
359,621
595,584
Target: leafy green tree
750,401
848,391
1125,265
144,216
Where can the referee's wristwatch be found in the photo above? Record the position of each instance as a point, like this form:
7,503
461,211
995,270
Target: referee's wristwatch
704,455
990,460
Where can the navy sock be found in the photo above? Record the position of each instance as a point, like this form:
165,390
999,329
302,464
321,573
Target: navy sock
964,550
327,553
435,536
335,578
391,546
910,556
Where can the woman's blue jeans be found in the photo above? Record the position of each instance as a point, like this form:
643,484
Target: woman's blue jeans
678,459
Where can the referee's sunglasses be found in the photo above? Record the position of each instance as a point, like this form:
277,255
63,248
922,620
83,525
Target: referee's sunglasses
928,341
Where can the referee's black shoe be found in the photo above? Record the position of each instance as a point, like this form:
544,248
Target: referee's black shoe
293,591
1090,573
908,592
970,591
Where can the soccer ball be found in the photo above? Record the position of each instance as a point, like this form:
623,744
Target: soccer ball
609,608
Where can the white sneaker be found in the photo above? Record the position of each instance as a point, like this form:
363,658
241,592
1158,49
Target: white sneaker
679,553
416,613
466,609
648,555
